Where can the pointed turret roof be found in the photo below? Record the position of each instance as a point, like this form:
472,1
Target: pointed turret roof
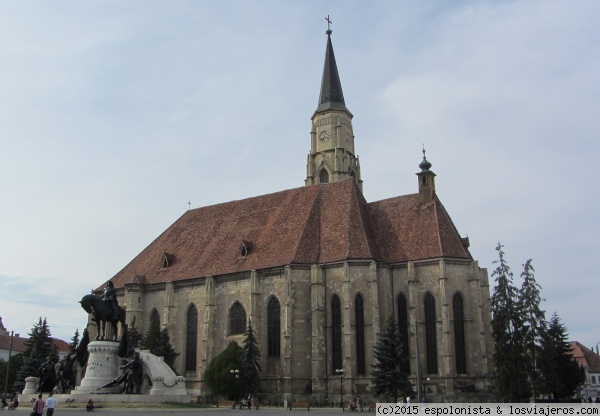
331,97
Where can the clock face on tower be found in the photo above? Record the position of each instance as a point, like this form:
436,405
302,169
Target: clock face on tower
324,136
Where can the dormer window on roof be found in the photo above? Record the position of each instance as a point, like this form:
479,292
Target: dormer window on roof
245,247
167,260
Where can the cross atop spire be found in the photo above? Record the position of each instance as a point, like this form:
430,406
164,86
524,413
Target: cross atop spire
328,25
425,165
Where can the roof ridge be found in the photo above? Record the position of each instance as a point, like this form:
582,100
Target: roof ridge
437,224
305,233
439,206
413,195
362,207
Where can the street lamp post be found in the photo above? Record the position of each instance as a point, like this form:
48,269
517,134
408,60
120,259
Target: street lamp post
236,374
12,333
424,395
416,335
341,371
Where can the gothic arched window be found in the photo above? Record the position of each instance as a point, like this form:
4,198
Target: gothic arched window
273,328
237,319
323,176
430,335
336,333
154,318
403,329
459,334
191,339
359,319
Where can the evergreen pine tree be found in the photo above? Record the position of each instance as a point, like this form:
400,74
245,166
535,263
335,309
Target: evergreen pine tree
534,323
74,342
40,346
560,373
151,341
165,349
250,360
507,333
135,335
389,381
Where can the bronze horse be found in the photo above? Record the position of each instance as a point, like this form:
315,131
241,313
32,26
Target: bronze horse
102,312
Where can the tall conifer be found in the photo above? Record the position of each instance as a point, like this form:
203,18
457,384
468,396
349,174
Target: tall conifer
560,373
389,381
534,323
165,349
135,335
152,339
74,342
250,360
507,333
40,346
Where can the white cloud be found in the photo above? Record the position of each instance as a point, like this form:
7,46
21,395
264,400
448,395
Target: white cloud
115,115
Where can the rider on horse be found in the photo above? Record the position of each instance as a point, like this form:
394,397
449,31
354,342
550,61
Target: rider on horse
110,297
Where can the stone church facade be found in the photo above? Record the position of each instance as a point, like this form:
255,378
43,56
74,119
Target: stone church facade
318,270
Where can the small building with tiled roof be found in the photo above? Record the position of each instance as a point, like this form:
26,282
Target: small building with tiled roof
12,344
590,361
318,270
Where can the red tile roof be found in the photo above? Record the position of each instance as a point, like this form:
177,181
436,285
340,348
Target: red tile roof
19,344
586,357
307,225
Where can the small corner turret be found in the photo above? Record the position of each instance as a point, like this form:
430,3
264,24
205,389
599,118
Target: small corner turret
426,180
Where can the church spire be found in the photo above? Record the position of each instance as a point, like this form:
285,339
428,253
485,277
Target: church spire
331,97
332,157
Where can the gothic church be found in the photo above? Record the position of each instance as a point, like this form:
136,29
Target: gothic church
318,270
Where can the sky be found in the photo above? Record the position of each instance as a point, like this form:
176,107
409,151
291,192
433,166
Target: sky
117,117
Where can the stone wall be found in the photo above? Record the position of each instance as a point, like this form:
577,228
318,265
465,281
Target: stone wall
304,292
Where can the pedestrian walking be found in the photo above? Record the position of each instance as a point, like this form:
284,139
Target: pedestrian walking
50,405
38,406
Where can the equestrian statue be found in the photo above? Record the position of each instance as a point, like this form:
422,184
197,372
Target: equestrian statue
104,309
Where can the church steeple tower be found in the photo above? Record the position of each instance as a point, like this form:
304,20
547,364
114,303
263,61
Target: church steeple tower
426,180
332,157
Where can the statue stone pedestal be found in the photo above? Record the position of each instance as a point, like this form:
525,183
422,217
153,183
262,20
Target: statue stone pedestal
102,368
31,385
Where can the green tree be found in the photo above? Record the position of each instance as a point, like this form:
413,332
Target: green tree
165,349
40,346
157,341
220,375
13,365
152,339
560,373
250,360
388,379
135,335
534,323
74,342
507,333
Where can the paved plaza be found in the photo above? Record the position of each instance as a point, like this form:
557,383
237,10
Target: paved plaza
183,412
